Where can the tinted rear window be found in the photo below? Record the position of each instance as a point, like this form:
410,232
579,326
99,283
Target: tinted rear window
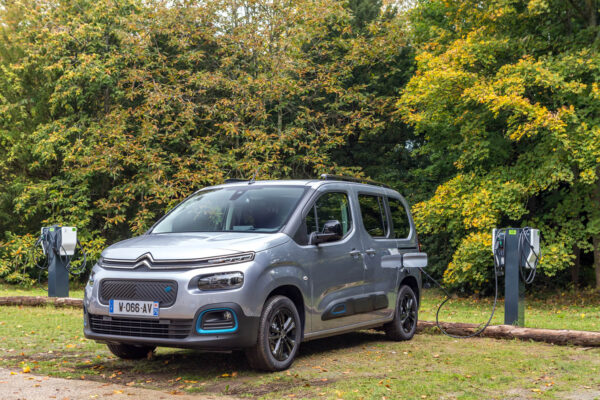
372,210
400,221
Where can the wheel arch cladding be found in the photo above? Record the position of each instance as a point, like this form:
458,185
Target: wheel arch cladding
411,281
295,295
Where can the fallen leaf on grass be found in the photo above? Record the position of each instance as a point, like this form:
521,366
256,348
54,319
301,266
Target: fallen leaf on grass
118,392
26,369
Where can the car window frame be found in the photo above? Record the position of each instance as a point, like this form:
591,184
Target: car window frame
383,195
310,208
406,212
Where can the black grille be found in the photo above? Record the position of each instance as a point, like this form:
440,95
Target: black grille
165,292
149,328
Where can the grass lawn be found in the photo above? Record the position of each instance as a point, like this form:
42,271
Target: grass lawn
359,365
567,310
76,290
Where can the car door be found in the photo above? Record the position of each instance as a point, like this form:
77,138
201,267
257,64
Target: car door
336,267
381,255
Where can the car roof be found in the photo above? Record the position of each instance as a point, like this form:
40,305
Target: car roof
313,183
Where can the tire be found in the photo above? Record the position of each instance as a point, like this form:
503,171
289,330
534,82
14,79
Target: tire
404,325
129,351
279,335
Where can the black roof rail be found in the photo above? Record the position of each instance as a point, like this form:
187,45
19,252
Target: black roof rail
330,177
235,180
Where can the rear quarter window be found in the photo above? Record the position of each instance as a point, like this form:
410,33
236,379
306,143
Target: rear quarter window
400,221
372,210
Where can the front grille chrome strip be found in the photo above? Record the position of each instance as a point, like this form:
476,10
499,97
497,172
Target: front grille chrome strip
146,260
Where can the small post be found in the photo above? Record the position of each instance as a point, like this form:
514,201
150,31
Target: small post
59,245
514,288
58,276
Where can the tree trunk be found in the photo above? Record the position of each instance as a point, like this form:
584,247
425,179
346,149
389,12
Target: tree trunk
596,241
596,236
556,336
575,266
40,301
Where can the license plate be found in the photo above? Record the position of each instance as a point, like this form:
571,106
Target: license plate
129,307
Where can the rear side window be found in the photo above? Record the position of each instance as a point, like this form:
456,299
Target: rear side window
400,220
372,210
330,206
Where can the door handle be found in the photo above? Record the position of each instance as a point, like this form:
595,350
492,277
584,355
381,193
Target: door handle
355,253
371,252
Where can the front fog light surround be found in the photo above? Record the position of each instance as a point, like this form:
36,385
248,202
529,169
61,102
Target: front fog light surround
221,281
217,320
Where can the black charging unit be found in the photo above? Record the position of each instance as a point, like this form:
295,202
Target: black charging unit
59,244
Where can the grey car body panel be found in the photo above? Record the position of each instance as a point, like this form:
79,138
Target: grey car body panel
325,274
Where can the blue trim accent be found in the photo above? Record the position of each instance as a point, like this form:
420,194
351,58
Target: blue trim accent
215,331
342,311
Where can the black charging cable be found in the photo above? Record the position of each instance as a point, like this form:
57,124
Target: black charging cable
498,254
448,297
524,246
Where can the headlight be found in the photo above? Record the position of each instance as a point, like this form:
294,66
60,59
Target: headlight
221,281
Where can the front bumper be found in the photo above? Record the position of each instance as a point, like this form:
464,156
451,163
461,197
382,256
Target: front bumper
244,335
182,313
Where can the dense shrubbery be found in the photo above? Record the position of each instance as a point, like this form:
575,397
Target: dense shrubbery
483,114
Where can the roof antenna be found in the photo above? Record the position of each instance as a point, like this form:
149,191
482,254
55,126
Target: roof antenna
253,176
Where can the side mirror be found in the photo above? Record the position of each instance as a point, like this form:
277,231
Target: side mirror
332,230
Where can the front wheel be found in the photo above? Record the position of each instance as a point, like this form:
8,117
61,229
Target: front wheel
279,335
404,325
129,351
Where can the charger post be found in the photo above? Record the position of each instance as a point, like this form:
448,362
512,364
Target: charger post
514,288
58,244
516,253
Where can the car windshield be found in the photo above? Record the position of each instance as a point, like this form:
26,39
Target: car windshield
236,209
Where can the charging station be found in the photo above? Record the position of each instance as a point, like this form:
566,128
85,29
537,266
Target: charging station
59,245
516,255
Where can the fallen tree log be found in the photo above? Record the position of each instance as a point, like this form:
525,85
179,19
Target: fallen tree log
40,301
555,336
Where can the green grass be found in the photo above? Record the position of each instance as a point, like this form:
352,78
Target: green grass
567,310
358,365
75,291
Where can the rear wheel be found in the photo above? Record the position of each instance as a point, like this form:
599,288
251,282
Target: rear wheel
404,325
279,335
129,351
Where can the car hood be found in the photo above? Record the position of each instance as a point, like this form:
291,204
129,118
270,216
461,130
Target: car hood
185,246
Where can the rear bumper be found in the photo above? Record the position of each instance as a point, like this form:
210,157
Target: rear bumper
243,336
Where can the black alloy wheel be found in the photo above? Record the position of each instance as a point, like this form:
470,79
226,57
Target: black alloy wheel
282,334
408,312
279,335
404,325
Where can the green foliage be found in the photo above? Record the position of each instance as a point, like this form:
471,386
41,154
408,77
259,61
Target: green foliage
113,112
507,100
364,11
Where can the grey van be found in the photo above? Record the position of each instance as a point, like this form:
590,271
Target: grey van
261,266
